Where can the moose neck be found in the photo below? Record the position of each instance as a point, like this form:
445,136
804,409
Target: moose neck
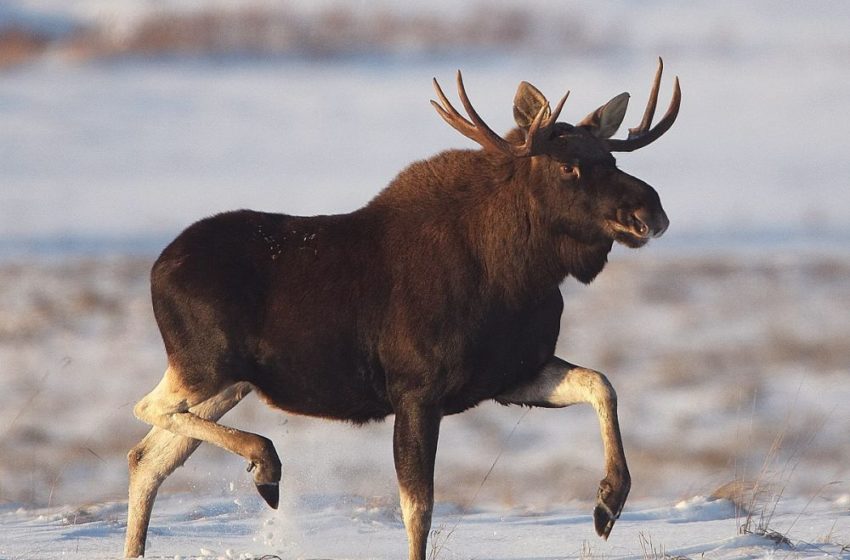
484,206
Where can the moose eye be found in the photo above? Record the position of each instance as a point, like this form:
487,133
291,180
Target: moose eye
570,171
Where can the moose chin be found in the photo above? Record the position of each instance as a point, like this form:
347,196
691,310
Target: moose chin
439,294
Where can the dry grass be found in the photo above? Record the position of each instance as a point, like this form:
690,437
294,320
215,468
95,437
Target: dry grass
19,45
653,551
757,498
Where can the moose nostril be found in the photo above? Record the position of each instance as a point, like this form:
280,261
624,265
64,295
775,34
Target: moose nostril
639,225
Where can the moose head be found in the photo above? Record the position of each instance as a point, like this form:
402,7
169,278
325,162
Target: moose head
573,173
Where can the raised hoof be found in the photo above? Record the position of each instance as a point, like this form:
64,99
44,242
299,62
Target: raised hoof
610,499
603,521
265,466
270,493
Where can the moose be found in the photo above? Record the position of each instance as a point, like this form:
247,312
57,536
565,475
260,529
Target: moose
440,293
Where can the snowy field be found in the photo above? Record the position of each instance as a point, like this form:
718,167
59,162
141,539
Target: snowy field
351,527
728,340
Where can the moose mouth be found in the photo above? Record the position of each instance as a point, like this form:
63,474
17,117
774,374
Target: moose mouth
632,229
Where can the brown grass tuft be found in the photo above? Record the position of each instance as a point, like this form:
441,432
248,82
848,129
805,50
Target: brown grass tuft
19,45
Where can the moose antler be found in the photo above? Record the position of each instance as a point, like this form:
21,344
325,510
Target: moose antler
642,135
538,132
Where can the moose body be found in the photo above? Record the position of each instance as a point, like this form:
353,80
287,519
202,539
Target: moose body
439,294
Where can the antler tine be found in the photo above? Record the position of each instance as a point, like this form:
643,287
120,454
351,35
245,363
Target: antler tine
643,135
450,114
539,130
535,131
484,132
478,130
649,113
554,117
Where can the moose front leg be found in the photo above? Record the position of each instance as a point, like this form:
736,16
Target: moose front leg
415,436
561,384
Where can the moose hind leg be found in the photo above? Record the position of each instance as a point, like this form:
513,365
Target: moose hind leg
415,437
157,456
169,406
561,384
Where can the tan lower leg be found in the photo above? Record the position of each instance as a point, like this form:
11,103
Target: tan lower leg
561,384
156,457
417,522
170,407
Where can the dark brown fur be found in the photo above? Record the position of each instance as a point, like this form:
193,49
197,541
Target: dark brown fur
446,284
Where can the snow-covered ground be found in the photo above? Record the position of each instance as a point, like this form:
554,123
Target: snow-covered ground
231,527
728,339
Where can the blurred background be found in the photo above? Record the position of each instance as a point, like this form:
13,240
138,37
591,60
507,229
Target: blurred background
124,121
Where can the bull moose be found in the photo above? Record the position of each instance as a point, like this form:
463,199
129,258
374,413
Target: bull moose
442,292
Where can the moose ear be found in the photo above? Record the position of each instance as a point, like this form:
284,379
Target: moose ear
527,103
604,122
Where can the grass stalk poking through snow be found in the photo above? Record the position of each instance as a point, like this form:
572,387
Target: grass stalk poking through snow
769,486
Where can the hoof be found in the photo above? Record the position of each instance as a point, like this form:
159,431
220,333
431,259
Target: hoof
265,466
610,499
270,493
603,521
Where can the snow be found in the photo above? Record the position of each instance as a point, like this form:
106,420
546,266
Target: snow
728,340
357,528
